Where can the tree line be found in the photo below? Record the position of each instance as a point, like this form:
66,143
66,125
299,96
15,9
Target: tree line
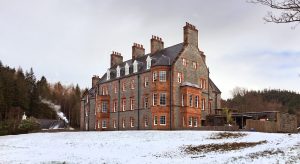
21,92
265,100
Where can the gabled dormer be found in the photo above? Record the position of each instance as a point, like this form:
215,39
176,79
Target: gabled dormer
118,71
135,66
126,69
148,62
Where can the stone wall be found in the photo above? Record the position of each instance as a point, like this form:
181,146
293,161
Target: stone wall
285,123
82,115
138,112
220,128
191,54
91,119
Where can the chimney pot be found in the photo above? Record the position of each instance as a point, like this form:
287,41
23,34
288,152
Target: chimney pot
190,35
95,80
115,58
156,44
137,50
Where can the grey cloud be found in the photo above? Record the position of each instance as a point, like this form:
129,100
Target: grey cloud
71,40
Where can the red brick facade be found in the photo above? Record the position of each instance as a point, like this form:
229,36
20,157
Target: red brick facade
167,89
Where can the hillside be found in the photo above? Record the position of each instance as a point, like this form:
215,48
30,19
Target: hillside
149,147
265,100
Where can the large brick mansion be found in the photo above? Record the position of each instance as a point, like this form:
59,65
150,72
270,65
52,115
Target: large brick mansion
169,88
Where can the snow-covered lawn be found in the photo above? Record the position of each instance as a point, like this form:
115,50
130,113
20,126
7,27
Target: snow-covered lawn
143,147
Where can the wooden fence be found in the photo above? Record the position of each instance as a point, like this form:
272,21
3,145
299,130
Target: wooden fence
261,126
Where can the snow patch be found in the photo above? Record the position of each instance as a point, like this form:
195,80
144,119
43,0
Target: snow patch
144,147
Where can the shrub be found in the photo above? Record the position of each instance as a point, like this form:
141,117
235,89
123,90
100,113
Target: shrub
8,127
29,125
3,128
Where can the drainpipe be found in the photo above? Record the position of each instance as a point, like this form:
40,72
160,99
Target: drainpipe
84,115
89,112
95,108
216,101
171,94
208,90
119,103
138,83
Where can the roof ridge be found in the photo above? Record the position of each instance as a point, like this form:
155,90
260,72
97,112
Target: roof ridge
152,54
163,57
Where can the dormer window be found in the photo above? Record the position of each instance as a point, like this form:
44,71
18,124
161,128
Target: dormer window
135,66
148,62
118,71
108,75
126,69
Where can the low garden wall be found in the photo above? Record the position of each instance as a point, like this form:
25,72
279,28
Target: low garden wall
219,128
285,123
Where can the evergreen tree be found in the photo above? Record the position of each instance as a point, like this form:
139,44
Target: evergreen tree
2,104
32,92
43,88
8,90
30,79
34,103
19,92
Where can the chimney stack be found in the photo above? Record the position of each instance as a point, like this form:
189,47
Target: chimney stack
115,59
95,80
156,44
190,35
137,51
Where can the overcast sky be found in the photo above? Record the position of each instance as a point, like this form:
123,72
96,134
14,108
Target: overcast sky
71,40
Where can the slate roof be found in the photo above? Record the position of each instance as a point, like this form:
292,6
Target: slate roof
51,124
91,93
190,84
164,57
211,83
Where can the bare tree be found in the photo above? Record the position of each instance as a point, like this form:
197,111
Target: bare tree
289,10
238,91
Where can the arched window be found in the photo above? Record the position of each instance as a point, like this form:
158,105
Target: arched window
118,71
